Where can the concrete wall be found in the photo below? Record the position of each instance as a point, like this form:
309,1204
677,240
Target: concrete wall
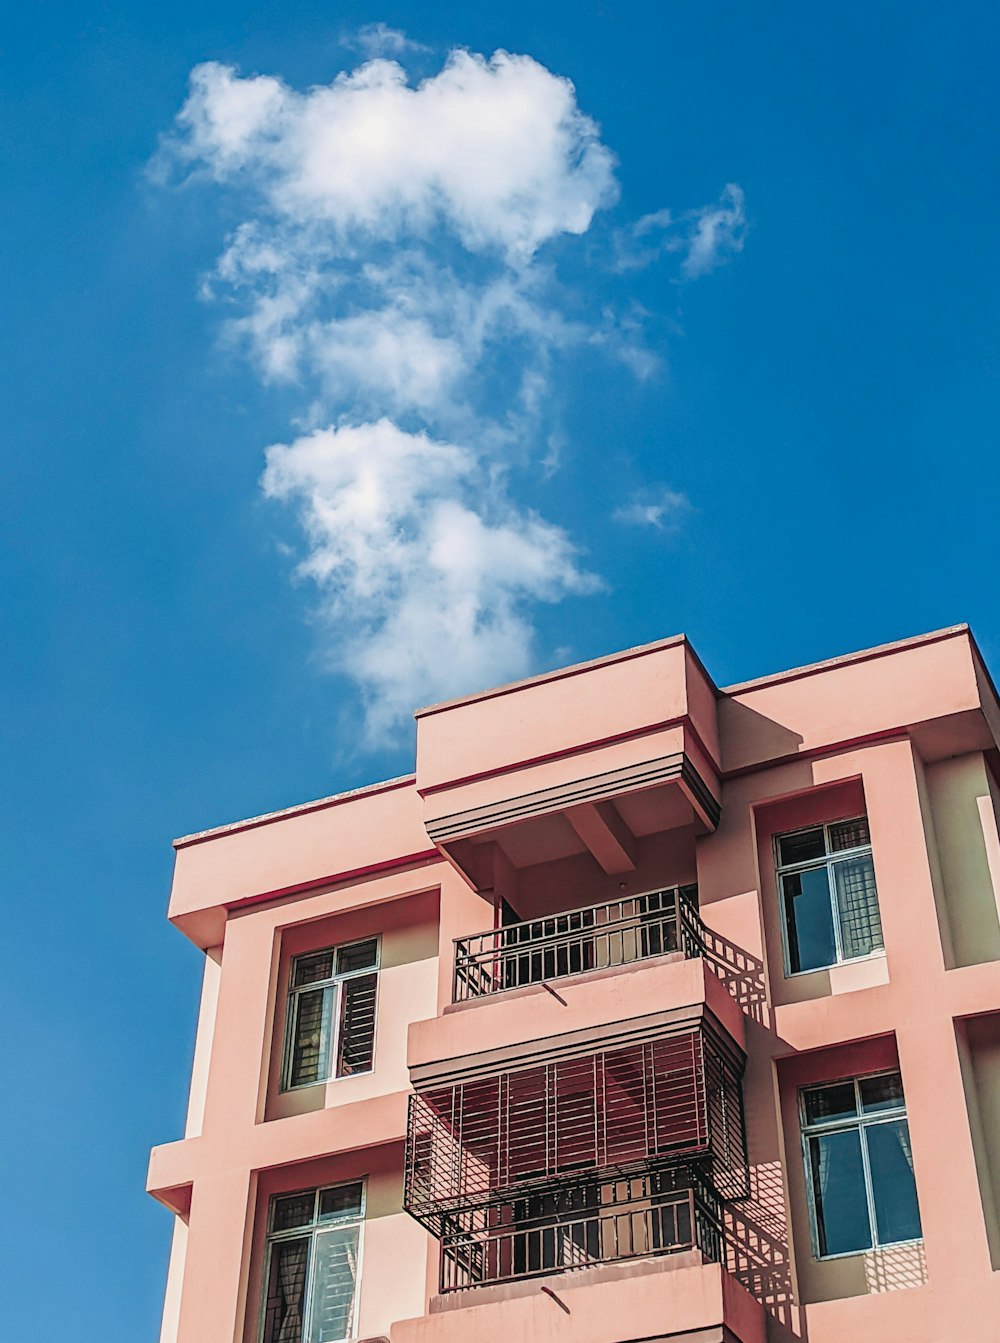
964,820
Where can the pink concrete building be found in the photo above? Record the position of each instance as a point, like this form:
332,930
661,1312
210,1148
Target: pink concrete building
643,1010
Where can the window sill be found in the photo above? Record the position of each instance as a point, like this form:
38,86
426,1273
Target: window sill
323,1082
872,1249
836,965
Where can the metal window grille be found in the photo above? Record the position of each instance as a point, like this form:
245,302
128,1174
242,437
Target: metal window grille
536,1141
616,932
330,1019
842,853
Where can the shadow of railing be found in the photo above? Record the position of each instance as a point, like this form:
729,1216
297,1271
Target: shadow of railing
740,972
756,1236
894,1268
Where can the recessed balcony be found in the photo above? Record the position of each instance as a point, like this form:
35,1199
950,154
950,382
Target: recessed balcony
598,937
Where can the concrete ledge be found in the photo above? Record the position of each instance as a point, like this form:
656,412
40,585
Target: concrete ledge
646,1301
597,1007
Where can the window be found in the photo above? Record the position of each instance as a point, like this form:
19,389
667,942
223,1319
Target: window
829,901
311,1274
859,1166
331,1014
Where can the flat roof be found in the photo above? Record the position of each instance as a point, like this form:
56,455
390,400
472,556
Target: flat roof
557,674
300,808
575,669
862,655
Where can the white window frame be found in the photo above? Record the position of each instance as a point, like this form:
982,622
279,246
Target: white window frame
335,982
859,1121
827,861
299,1233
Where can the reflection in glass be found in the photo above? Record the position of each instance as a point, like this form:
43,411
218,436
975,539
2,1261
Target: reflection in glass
335,1265
812,943
838,1178
891,1162
825,1104
882,1092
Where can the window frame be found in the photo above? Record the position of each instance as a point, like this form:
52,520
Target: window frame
273,1238
811,864
860,1121
336,982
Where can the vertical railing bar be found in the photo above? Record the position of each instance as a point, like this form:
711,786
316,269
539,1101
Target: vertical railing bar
601,1128
650,1091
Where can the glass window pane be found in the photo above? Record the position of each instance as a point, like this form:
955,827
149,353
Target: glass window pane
312,969
293,1210
286,1288
849,835
896,1214
809,918
857,906
311,1043
825,1104
884,1092
360,956
838,1181
801,847
344,1200
357,1025
335,1270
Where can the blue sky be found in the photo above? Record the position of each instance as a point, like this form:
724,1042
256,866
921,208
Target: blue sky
707,342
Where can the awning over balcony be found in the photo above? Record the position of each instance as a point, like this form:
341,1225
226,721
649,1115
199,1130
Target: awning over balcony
589,761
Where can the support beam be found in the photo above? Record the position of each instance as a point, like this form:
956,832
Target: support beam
485,867
605,834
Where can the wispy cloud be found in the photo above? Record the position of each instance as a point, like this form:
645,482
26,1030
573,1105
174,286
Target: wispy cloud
392,262
717,235
701,239
657,507
378,39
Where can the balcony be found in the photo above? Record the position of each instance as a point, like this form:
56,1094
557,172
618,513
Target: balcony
580,1225
602,936
605,1155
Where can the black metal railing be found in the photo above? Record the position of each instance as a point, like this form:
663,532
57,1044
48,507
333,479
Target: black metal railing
617,932
575,1226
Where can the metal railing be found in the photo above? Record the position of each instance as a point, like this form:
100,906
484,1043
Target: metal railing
657,1213
617,932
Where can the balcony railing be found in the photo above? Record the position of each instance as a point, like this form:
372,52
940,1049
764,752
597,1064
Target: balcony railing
576,1226
617,932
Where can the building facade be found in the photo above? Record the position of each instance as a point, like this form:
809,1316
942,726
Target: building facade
643,1010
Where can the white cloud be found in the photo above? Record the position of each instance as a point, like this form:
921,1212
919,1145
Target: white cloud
424,565
360,190
495,151
660,508
394,265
